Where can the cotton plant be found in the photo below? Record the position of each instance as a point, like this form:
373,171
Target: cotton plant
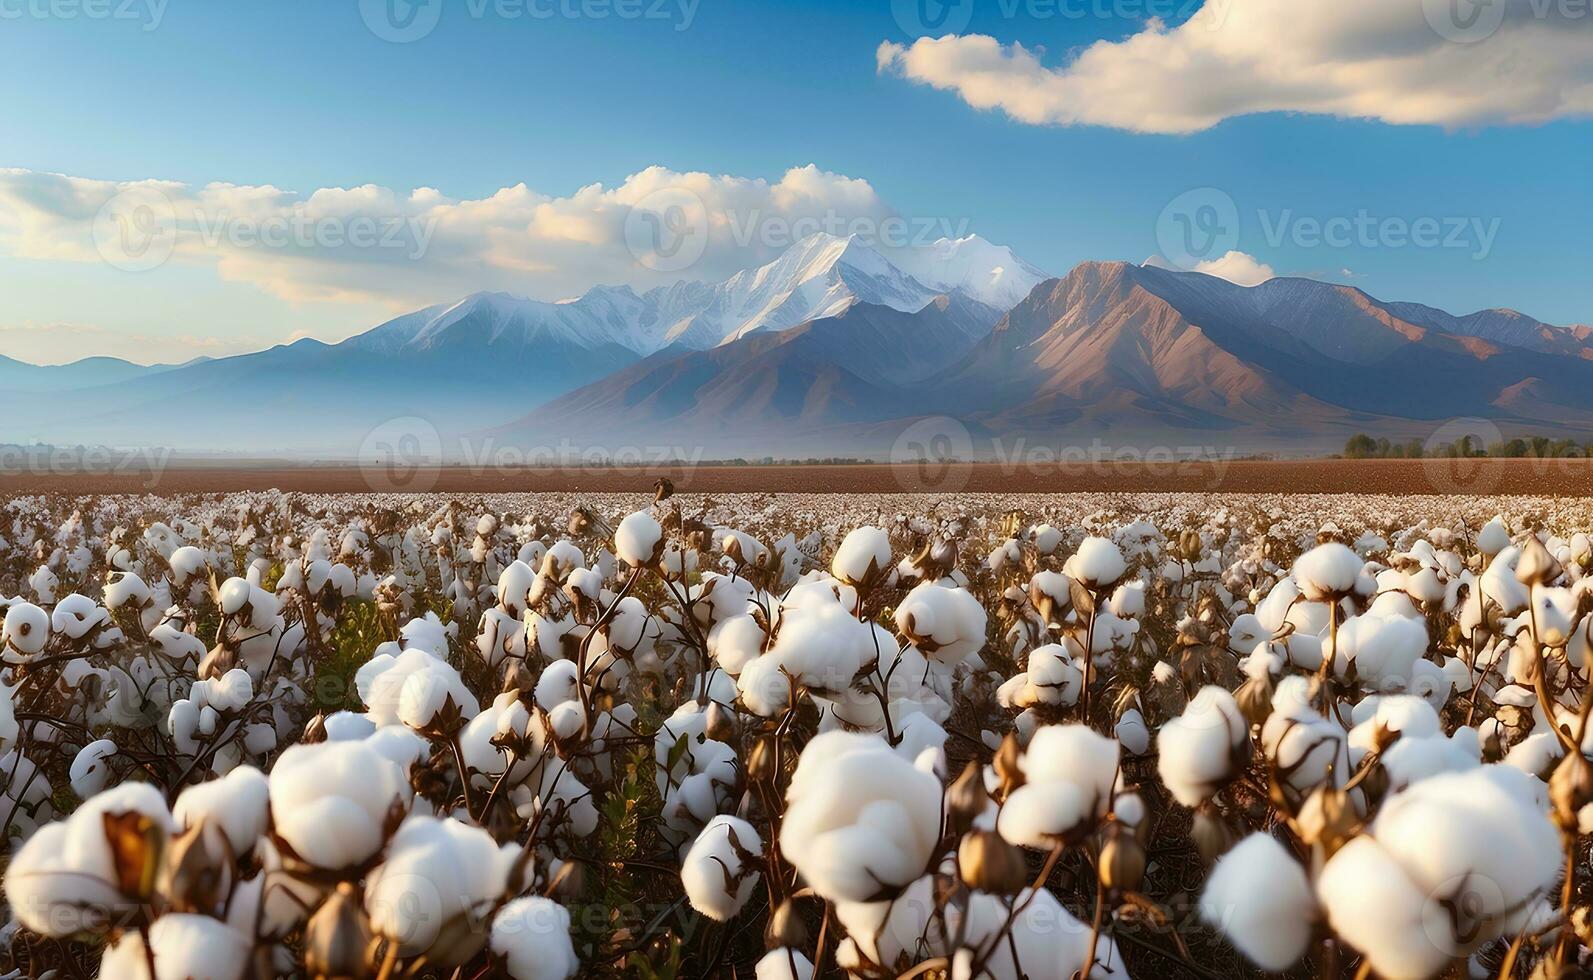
832,733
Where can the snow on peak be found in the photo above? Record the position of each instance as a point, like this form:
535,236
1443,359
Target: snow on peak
819,276
989,273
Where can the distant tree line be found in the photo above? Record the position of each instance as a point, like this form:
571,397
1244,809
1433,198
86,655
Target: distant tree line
1363,446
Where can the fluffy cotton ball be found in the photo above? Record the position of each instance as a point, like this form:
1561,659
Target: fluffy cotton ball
1097,563
1327,572
1260,898
1068,772
531,936
637,539
860,818
333,803
717,871
863,556
1202,748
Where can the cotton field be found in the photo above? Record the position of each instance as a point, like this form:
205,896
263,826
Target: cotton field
786,737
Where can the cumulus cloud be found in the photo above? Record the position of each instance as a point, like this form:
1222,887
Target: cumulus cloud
407,249
1238,268
1431,62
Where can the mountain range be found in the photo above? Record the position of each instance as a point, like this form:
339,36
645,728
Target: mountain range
836,346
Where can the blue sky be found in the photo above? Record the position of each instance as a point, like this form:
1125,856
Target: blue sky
299,95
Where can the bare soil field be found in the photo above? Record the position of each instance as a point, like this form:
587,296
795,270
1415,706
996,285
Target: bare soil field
1547,477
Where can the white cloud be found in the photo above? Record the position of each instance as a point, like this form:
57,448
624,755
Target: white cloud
1399,61
1238,268
408,249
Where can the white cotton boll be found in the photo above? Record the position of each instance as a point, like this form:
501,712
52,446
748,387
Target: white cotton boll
1046,538
1132,733
1200,749
438,874
1493,538
382,682
1429,682
1377,909
1097,563
566,720
26,629
718,871
232,691
1327,572
122,588
637,539
514,584
91,771
186,563
76,615
1500,585
784,963
557,684
9,730
735,641
347,726
1258,896
183,946
1069,771
1402,714
864,555
427,693
234,595
1128,601
947,624
1303,746
331,802
1412,759
859,818
236,803
1383,650
820,644
531,936
64,880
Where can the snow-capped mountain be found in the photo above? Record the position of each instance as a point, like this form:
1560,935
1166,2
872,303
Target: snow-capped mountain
991,274
818,277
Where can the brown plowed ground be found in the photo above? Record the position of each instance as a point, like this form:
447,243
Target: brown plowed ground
1556,477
